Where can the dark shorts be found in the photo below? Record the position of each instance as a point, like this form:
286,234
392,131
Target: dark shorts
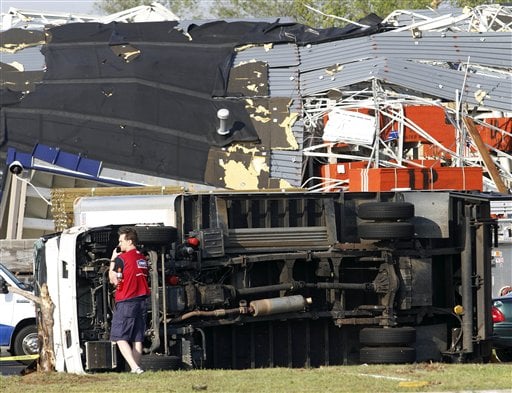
129,320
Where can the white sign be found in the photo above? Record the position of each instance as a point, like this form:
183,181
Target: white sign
349,127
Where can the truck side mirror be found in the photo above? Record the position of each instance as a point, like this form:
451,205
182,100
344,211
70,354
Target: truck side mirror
3,286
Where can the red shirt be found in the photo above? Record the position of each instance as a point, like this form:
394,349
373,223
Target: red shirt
135,275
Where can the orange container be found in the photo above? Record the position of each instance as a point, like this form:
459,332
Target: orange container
435,178
340,171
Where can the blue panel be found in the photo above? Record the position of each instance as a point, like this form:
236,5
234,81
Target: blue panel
11,155
46,153
74,162
82,166
88,166
67,160
24,158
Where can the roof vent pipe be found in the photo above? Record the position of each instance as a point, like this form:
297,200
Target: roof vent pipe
223,115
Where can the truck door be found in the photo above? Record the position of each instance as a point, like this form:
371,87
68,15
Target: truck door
7,302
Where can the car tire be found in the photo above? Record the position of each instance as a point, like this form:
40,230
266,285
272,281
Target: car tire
385,230
26,342
387,355
391,211
387,336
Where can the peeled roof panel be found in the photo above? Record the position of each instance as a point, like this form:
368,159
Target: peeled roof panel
278,55
317,81
443,83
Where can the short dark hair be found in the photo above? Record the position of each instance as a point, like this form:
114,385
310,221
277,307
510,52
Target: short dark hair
129,234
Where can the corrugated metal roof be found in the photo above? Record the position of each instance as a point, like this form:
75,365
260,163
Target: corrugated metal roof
442,82
488,49
313,57
319,80
284,82
420,78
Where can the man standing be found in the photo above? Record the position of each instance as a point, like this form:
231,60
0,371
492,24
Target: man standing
129,320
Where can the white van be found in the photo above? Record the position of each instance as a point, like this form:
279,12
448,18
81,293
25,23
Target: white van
18,329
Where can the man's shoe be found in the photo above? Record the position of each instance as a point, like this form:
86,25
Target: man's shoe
138,370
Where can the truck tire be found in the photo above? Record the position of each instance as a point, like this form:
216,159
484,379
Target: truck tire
385,230
155,235
156,362
387,336
26,342
391,211
387,355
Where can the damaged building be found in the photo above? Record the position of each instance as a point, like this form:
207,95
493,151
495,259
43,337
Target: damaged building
418,100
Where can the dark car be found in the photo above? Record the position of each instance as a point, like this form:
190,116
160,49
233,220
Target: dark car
502,325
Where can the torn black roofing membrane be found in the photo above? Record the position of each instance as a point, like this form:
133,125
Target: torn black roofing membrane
15,39
144,97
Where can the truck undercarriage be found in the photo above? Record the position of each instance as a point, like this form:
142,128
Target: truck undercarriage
295,280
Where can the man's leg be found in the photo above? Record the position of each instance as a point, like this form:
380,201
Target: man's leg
137,351
126,351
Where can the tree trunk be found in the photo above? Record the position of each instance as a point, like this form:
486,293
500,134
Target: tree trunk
45,325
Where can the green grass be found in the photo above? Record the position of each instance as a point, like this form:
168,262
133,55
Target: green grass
425,377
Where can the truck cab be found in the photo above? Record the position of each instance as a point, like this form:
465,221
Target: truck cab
18,329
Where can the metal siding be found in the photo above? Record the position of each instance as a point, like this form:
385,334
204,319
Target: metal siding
284,82
287,165
298,132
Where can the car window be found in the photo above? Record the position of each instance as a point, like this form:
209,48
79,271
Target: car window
14,279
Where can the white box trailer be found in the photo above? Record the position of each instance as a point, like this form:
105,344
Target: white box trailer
107,210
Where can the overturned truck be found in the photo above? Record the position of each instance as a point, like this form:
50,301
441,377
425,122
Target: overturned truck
286,279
